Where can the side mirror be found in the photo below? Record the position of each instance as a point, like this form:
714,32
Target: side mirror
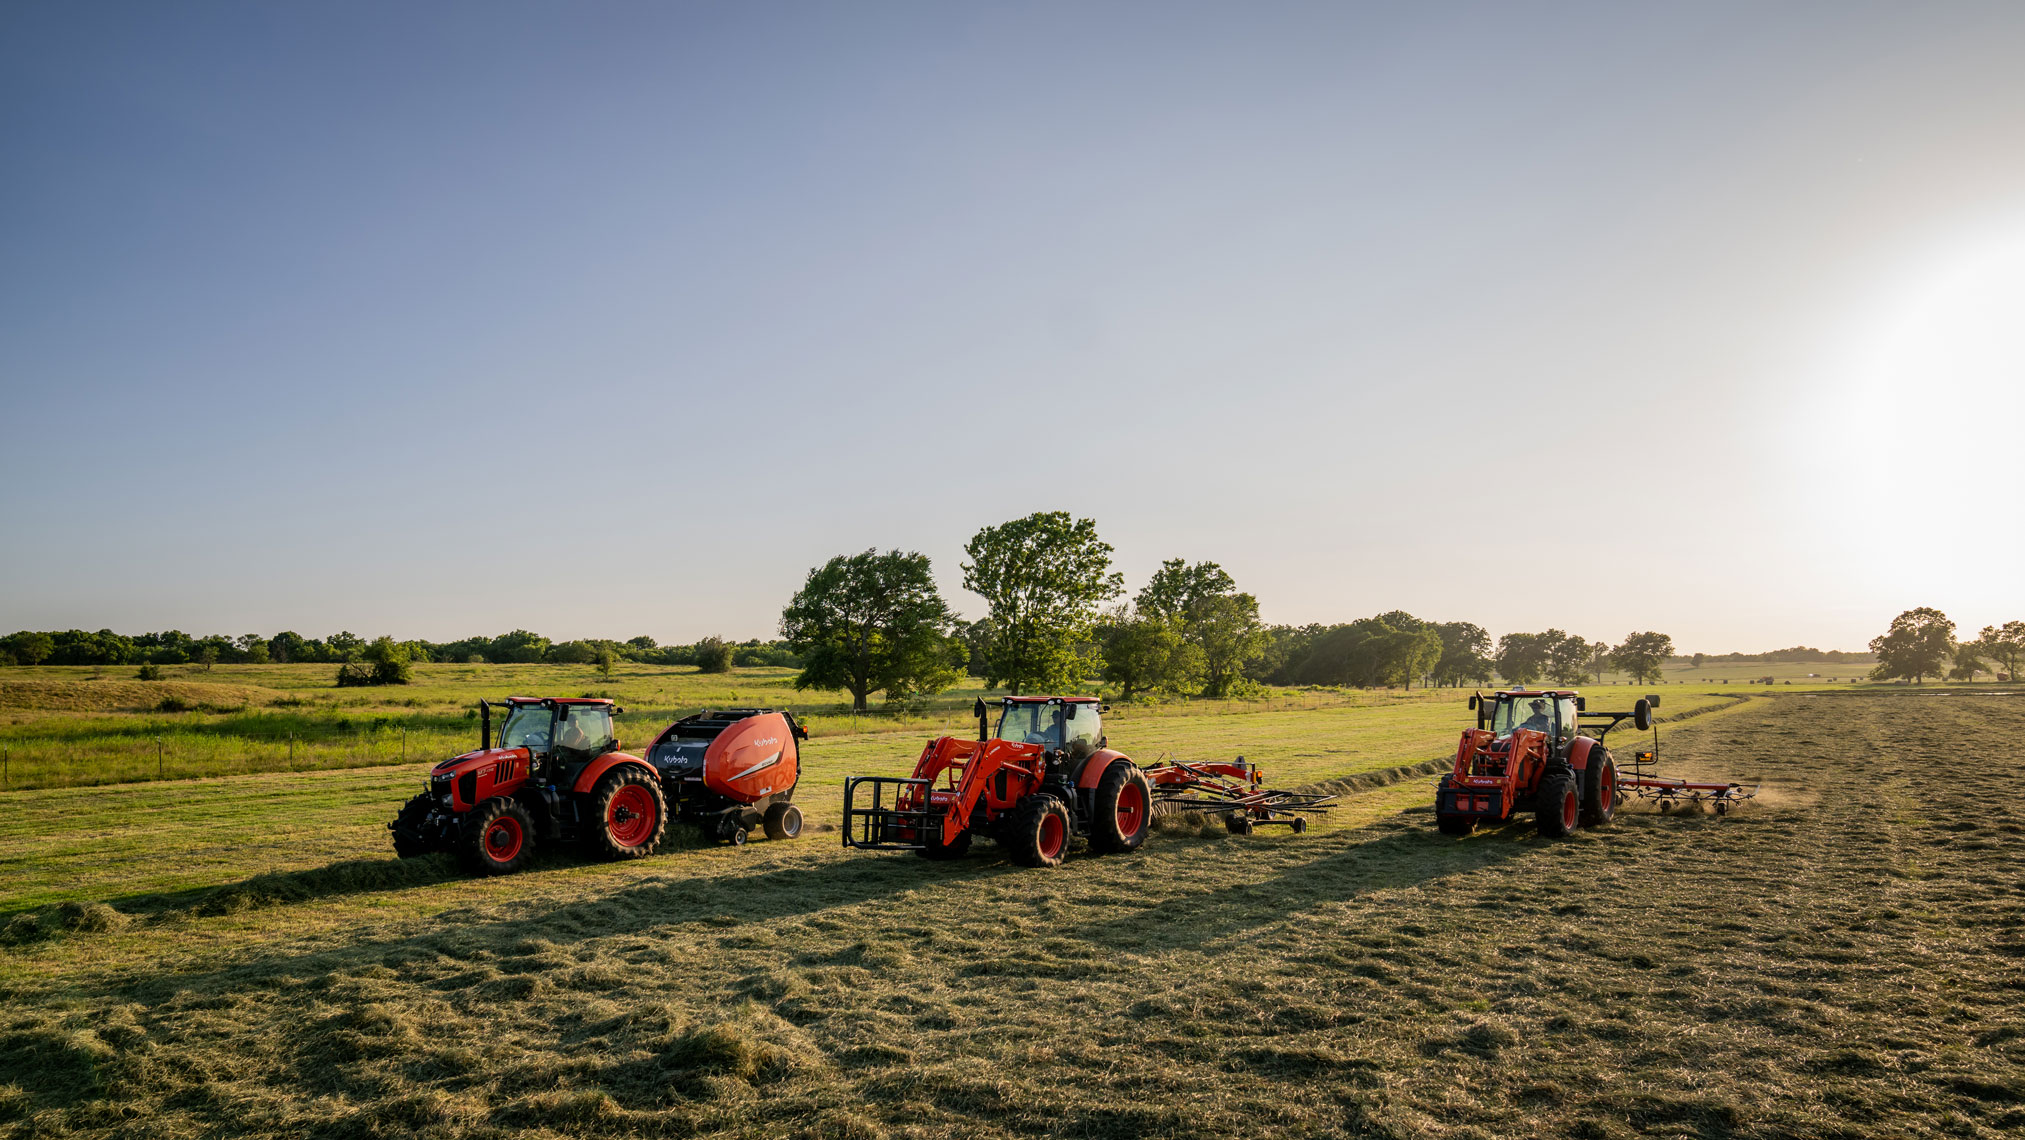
977,710
1473,702
1581,704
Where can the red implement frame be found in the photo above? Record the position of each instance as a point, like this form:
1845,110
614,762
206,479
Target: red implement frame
1231,790
1670,793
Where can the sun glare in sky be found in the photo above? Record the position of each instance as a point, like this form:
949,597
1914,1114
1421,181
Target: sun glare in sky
1922,407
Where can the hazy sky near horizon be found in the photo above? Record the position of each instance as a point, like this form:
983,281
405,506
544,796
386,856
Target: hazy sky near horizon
604,319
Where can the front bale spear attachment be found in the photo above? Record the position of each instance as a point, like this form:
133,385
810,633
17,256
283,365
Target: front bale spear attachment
1233,791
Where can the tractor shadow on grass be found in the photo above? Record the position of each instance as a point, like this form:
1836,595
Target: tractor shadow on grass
1406,852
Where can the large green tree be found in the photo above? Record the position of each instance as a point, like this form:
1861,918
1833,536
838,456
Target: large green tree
1568,658
1465,653
1044,577
1145,652
1915,646
869,622
1219,622
2005,644
1522,657
1641,655
28,647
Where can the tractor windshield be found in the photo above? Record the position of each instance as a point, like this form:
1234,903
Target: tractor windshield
527,726
1536,713
586,729
1029,723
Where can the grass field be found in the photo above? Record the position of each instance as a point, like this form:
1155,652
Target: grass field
1845,959
77,726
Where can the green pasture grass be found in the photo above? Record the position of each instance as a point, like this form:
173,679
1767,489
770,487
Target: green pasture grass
1841,959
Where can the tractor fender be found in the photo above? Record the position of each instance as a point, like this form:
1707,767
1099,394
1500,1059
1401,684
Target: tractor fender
1578,752
1092,768
596,769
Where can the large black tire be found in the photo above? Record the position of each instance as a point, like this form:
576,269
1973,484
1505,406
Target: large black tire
1599,788
1237,823
497,838
410,840
1121,813
626,814
1559,803
1040,831
956,849
782,821
1455,824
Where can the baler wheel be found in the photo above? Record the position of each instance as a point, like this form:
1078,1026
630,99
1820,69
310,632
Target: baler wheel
498,838
1040,831
1560,804
1121,814
782,821
1599,789
628,813
409,841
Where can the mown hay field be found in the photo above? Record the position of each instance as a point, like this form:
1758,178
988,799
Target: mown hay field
1844,959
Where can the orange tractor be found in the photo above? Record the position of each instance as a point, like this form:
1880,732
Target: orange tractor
1045,777
557,776
1530,752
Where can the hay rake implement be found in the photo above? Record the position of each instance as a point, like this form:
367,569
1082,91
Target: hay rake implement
1667,793
1233,791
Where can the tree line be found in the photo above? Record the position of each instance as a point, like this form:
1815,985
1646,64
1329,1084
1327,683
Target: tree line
173,647
1921,643
1057,615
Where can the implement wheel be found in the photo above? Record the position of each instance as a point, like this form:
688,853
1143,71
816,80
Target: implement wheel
1237,823
782,821
497,838
1560,803
1599,789
627,813
1040,831
1122,813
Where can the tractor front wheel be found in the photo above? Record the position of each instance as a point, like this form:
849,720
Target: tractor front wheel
498,838
782,821
1040,831
1599,789
409,838
955,849
627,812
1122,813
1560,804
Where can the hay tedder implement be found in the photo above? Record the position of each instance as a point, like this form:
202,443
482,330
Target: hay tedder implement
1530,752
1045,777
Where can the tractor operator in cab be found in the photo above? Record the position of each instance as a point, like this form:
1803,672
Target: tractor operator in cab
1539,721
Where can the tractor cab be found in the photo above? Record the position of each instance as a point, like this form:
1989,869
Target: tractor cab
561,733
1553,713
1058,724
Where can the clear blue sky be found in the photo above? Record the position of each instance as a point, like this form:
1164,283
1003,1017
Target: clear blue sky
603,319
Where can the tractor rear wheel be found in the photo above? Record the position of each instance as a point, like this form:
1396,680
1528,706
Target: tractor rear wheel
1121,814
627,813
782,821
1599,789
1560,804
409,838
497,838
1040,831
